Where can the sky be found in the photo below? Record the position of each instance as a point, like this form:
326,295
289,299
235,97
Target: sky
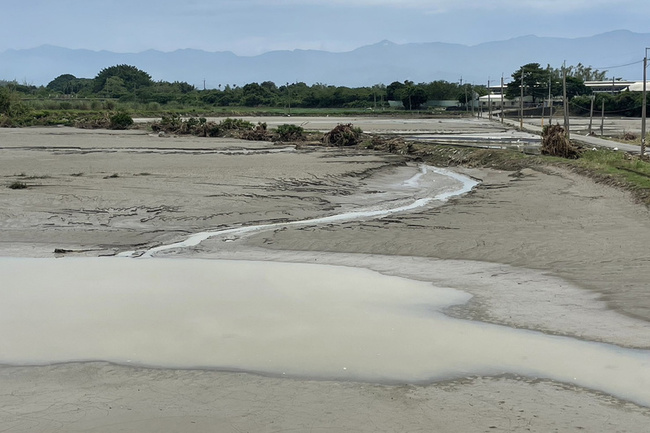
252,27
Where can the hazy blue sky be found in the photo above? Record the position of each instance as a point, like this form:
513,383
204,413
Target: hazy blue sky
250,27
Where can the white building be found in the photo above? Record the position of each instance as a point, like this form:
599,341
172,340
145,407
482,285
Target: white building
495,101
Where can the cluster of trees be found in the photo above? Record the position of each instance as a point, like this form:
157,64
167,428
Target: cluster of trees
537,80
626,104
122,82
127,83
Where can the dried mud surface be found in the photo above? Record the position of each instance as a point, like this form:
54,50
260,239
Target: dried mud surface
583,245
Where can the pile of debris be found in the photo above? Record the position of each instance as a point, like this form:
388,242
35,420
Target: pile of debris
343,135
555,143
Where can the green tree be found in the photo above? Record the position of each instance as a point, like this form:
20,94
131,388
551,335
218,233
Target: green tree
535,82
584,73
575,87
393,89
441,90
470,92
63,83
114,87
412,95
132,78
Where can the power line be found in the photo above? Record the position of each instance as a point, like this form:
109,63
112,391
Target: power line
620,66
636,107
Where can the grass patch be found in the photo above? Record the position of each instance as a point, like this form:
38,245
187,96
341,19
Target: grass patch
621,168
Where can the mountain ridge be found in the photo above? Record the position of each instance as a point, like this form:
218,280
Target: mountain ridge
381,62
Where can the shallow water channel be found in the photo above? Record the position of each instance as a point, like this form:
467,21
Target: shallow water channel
298,320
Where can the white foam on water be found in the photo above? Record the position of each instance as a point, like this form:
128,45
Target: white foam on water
424,196
317,321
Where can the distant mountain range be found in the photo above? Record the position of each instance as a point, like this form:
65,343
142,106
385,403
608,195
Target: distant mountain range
619,52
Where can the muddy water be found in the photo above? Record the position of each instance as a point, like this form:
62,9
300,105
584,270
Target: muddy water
279,318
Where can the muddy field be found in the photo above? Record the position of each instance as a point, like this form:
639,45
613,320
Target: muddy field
541,249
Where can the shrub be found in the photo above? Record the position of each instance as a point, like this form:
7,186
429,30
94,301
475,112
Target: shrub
290,132
121,121
237,124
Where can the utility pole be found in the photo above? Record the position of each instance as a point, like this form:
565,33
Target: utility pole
289,99
466,106
374,95
489,101
602,118
521,101
566,103
502,107
465,88
643,107
471,92
591,112
550,102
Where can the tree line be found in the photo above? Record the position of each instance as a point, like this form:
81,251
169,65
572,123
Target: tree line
125,83
129,84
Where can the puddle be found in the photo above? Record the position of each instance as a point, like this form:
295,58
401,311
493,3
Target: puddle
298,320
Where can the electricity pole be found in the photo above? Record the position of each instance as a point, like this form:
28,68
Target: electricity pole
289,99
521,101
550,102
643,107
566,103
502,107
489,101
461,85
591,112
471,92
602,118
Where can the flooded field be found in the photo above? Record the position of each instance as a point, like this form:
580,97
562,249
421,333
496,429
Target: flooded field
187,284
285,319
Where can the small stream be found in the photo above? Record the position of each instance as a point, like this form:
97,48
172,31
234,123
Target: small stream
419,193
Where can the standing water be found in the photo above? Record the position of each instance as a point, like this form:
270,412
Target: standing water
286,319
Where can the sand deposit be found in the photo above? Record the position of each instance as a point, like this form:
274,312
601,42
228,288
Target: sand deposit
544,250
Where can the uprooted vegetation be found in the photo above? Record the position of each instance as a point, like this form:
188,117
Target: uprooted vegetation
343,135
556,143
395,145
81,119
235,128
